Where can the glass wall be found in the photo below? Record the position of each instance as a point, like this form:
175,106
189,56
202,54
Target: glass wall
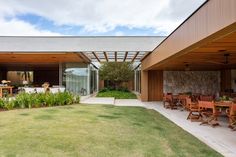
93,79
75,78
80,78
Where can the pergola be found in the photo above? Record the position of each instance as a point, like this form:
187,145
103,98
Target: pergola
117,56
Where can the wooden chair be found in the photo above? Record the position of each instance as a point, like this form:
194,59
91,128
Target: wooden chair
208,113
170,101
182,101
194,114
231,113
164,100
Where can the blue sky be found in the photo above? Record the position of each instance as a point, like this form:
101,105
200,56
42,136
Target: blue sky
90,17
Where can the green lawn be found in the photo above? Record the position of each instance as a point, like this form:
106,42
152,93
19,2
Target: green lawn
117,94
94,131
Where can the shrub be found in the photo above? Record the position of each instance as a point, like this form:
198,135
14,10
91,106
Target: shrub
77,99
116,72
2,103
123,89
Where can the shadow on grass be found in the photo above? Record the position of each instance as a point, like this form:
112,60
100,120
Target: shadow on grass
117,114
158,128
66,107
137,124
51,111
24,114
108,116
81,112
108,106
43,117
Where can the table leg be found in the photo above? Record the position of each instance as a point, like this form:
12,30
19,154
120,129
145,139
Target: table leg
10,91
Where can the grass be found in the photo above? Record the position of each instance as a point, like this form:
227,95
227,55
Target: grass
95,131
117,94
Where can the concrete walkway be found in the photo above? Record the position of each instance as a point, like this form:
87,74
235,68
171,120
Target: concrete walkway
221,138
96,100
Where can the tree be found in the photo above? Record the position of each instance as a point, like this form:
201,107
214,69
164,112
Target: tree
116,72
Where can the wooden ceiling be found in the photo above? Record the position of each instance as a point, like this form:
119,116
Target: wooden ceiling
41,57
208,57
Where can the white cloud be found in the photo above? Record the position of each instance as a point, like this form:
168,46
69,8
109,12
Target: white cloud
18,28
119,33
105,15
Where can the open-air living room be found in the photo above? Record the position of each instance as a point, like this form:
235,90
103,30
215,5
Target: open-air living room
118,79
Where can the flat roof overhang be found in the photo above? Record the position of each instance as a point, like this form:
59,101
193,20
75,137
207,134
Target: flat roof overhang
201,41
216,55
94,48
41,57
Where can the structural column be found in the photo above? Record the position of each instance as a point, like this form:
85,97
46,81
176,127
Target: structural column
60,74
144,85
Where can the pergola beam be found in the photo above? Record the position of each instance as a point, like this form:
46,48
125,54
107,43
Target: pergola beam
96,56
126,54
135,56
105,54
115,56
82,56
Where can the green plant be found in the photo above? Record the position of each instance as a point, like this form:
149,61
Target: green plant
9,104
123,89
22,100
224,98
2,103
116,72
39,100
49,99
76,99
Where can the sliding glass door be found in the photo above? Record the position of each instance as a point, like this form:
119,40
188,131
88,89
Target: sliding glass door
75,78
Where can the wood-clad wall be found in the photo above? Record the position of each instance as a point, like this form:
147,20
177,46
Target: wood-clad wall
225,80
212,21
155,85
144,85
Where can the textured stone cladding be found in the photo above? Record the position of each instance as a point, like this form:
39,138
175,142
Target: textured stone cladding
204,82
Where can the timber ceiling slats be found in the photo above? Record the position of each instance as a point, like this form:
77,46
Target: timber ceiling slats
135,56
126,54
95,55
105,55
115,56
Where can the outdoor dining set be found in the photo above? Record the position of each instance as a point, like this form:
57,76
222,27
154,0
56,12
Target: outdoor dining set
203,108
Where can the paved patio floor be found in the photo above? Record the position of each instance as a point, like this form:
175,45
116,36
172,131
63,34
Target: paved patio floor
220,138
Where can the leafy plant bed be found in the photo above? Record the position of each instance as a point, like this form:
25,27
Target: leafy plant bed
117,94
36,100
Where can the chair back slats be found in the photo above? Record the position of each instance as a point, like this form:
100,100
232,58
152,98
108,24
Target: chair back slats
233,109
206,105
169,97
188,101
183,96
206,98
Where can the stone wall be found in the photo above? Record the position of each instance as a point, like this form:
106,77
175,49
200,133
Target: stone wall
204,82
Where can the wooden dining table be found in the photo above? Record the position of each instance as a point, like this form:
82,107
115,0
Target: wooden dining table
2,88
223,104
